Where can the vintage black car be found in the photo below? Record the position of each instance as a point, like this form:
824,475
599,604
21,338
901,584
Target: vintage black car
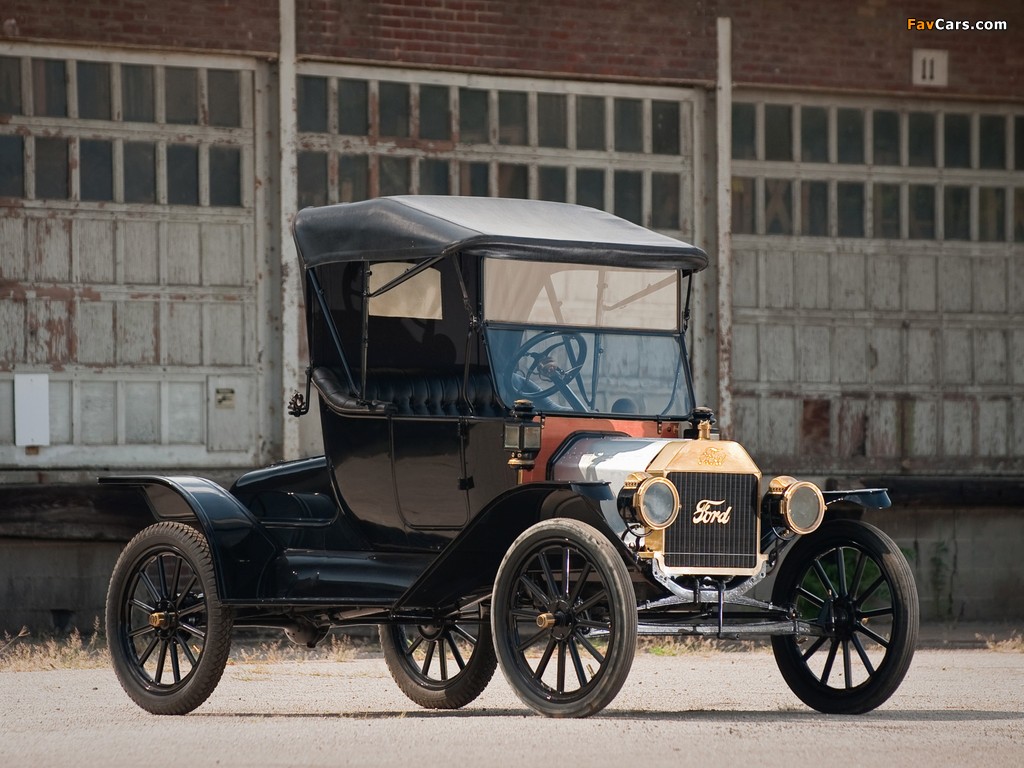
515,473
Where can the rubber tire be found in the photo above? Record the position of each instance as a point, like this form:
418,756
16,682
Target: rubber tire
890,672
606,561
457,691
187,543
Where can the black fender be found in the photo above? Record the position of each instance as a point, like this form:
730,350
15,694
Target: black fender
235,536
468,565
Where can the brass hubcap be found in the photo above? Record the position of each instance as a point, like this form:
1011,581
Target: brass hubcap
161,619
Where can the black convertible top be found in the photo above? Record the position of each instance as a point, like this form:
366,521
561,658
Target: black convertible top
422,226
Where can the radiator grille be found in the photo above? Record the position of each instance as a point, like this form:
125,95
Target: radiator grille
714,544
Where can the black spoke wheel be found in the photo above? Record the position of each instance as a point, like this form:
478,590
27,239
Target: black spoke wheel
564,619
850,580
442,665
169,634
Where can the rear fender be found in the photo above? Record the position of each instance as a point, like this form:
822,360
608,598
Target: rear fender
240,548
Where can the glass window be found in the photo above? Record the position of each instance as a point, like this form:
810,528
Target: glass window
665,127
778,132
1018,143
814,208
551,183
419,296
140,172
394,175
49,80
475,179
629,125
921,139
512,180
743,202
850,135
887,211
93,90
922,212
97,169
590,122
744,136
551,120
353,178
1018,214
629,195
814,134
394,110
51,169
778,206
225,176
353,107
181,95
434,177
12,166
474,123
312,179
10,85
665,200
957,202
886,129
182,174
435,113
223,94
512,121
992,141
137,93
850,209
311,100
958,141
991,214
590,187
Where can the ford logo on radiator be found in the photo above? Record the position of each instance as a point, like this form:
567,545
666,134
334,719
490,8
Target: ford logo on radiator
709,511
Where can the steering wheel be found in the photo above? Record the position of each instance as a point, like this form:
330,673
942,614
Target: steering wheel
543,367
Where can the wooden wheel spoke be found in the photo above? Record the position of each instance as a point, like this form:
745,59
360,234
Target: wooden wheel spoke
585,642
880,639
542,665
532,639
847,665
827,671
863,654
813,649
577,662
591,601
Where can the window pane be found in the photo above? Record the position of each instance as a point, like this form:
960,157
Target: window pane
778,207
512,118
814,134
475,179
551,184
665,200
49,80
590,123
312,179
12,166
93,90
850,205
1018,214
991,214
744,138
312,104
887,210
957,201
778,132
921,131
814,207
139,172
665,127
51,169
394,175
353,107
1018,143
181,95
473,116
10,86
353,178
137,94
223,94
992,141
958,141
922,212
225,176
886,137
629,195
435,113
590,187
97,169
551,120
394,110
850,135
183,174
512,180
629,125
434,177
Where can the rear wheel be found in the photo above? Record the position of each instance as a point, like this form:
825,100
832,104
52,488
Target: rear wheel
168,632
851,580
564,619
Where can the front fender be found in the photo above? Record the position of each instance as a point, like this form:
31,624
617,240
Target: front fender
241,550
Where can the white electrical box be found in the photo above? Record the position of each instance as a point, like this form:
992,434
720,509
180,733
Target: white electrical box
31,409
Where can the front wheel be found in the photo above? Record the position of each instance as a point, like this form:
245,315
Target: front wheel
564,619
852,582
168,632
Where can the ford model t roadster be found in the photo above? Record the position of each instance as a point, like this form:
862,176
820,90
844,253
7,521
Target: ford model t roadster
515,474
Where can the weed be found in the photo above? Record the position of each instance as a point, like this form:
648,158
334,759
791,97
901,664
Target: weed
73,651
1012,644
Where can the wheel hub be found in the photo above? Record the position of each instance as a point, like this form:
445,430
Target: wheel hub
163,621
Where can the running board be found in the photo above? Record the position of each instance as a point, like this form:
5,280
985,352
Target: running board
732,631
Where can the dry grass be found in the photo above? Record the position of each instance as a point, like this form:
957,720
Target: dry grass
687,646
26,653
1012,644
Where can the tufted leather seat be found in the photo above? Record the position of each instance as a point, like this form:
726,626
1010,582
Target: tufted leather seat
428,393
